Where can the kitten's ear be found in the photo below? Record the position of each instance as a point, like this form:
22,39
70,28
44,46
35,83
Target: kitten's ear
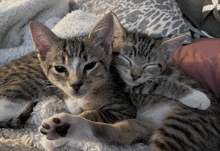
43,38
103,32
119,33
171,46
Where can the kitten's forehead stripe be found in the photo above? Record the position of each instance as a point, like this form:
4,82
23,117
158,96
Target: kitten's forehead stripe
75,63
147,43
135,50
63,59
75,47
64,45
82,49
85,58
143,45
149,48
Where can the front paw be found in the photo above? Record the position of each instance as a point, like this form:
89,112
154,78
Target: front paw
56,126
196,99
61,126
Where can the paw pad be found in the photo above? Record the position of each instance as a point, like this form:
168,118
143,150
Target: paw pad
46,126
62,130
55,128
56,120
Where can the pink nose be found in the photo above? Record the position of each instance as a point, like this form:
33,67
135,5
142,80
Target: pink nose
134,77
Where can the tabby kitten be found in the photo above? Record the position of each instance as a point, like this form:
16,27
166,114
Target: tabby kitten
75,70
162,123
80,67
142,63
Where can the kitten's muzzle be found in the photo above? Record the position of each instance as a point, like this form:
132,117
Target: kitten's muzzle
135,77
77,86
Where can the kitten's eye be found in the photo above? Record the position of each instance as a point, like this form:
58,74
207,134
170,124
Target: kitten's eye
90,66
151,69
126,60
60,69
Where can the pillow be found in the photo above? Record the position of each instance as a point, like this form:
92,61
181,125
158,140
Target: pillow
157,18
193,11
201,61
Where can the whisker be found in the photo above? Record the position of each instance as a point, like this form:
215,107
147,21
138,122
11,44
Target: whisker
52,86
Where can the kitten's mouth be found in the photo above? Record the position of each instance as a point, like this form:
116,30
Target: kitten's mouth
76,94
131,82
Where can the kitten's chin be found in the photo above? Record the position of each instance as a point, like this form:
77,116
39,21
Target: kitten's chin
76,94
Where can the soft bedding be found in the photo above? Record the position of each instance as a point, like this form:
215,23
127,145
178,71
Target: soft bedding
15,41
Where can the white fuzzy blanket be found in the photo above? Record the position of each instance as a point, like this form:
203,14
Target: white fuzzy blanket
15,41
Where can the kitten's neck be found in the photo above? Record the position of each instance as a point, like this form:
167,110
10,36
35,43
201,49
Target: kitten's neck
92,99
74,105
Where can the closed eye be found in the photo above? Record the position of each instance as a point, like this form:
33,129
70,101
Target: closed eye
153,65
150,66
126,60
152,69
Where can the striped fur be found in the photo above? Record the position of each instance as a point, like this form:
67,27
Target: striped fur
76,70
142,63
180,127
22,84
80,67
163,123
24,80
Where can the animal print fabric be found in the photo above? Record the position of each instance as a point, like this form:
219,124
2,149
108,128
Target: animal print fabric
157,18
211,6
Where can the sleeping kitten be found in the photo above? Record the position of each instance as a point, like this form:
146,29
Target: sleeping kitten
142,63
162,123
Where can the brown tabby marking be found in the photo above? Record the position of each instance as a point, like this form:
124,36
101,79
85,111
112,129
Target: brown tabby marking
22,84
163,123
142,63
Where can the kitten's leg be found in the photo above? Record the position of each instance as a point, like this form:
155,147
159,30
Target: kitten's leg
138,129
20,120
14,115
9,109
196,99
71,127
173,89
